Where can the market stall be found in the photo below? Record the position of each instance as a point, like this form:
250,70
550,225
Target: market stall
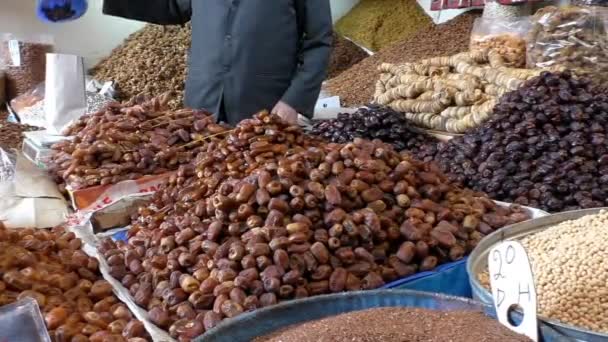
127,216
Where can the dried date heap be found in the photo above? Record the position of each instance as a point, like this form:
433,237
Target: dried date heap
77,304
269,214
130,140
545,146
374,122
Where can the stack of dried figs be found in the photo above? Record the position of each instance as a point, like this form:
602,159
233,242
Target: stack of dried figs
268,214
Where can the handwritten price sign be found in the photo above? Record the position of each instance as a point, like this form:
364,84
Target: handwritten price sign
513,286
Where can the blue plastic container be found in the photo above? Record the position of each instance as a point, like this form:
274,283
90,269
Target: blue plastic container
450,279
56,11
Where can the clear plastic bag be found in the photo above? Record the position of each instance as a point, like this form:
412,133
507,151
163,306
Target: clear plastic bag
505,36
54,11
22,321
29,107
572,38
24,61
7,166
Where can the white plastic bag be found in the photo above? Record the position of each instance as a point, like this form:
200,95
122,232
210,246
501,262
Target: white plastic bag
64,97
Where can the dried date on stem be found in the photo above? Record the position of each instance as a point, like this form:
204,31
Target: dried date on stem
127,141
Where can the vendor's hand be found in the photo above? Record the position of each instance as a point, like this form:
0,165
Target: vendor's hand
286,112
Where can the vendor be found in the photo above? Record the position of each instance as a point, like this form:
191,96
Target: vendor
247,55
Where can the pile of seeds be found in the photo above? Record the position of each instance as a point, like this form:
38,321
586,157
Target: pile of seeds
570,267
545,146
376,24
345,54
356,85
397,325
371,123
150,61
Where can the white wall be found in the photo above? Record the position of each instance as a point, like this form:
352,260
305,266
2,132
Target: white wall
92,36
340,7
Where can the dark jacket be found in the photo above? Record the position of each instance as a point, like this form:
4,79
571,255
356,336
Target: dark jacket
251,53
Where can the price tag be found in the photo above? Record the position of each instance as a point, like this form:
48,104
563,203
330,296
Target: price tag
328,102
15,52
513,285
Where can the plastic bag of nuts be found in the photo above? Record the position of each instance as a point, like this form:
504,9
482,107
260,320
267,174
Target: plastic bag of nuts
24,61
573,37
505,36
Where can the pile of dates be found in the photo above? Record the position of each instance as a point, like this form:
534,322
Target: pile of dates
269,215
77,304
373,122
545,146
130,140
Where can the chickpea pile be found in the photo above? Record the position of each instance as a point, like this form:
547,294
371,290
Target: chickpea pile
570,266
77,304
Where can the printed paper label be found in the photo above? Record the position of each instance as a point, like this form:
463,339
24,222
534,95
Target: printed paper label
512,286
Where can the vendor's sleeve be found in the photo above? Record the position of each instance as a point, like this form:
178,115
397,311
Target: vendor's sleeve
163,12
304,90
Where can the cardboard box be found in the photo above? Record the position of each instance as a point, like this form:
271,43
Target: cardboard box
117,215
95,198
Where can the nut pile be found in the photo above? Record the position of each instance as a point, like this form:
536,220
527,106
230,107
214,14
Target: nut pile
570,264
128,141
398,325
356,85
76,303
11,134
344,55
370,123
152,61
452,94
376,24
269,214
573,37
545,146
512,48
24,66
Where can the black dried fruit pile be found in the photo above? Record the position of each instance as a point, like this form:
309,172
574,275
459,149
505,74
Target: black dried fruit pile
545,146
374,122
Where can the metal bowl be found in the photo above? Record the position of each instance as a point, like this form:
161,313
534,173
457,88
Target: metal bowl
478,263
265,321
